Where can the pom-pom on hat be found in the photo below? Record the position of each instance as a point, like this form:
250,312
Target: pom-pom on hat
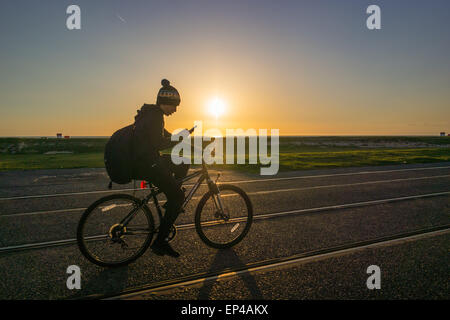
168,94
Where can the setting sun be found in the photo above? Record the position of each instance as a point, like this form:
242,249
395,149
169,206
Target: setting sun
216,107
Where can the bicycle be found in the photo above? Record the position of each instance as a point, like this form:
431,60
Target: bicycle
221,223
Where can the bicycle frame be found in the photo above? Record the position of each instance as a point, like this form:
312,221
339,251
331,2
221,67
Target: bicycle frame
201,173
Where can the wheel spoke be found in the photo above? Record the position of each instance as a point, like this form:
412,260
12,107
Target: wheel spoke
224,229
107,242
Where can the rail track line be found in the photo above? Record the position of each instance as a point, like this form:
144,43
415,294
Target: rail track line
49,244
249,193
167,286
234,182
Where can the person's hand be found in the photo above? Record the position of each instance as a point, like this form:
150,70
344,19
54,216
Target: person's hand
183,133
186,131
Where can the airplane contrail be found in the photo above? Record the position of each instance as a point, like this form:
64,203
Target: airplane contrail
121,19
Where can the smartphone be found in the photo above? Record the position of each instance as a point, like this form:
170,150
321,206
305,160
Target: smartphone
192,129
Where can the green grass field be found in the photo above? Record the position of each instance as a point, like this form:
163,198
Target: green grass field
296,153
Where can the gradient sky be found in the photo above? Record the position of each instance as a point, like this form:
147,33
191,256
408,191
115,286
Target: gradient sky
304,67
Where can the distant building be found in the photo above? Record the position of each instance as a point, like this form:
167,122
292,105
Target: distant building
59,135
66,137
442,134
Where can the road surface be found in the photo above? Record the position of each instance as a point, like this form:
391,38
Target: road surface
314,235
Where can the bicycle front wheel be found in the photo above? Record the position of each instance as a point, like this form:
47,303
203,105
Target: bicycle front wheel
106,240
224,229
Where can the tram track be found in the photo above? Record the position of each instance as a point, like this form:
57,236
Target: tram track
38,196
71,210
263,216
168,286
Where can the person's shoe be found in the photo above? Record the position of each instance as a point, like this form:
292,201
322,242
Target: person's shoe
164,248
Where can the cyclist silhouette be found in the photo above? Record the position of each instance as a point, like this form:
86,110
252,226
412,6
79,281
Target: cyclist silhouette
148,140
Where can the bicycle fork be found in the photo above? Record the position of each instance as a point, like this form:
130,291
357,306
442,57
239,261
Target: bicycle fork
217,199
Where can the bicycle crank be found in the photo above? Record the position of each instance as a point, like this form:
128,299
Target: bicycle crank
172,233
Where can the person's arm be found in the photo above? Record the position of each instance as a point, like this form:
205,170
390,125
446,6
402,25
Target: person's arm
159,138
166,142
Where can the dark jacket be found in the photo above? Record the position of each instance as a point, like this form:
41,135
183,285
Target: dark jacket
149,138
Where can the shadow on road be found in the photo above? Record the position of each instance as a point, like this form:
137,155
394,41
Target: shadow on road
108,281
226,259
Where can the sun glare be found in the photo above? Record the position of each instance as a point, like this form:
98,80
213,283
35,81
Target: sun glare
216,107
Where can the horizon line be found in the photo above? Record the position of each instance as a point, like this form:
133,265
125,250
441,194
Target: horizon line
288,135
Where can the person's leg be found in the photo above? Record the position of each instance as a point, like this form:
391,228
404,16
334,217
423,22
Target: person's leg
163,178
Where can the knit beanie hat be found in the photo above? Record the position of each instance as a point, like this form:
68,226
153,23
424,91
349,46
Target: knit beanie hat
168,94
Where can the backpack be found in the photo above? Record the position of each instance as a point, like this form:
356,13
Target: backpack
118,155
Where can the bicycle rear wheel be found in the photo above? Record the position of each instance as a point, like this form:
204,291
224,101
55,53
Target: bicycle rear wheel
219,231
105,241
